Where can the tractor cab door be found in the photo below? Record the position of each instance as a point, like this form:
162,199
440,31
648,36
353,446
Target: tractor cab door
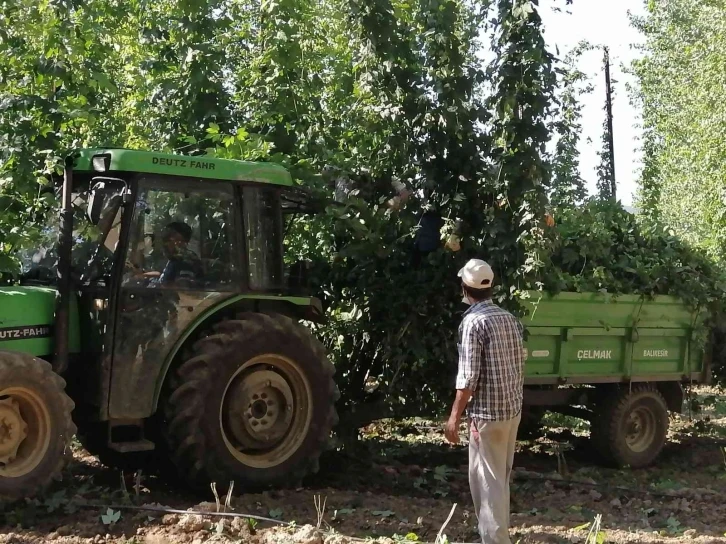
182,257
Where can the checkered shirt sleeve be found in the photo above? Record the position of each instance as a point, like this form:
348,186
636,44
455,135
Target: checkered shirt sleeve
470,355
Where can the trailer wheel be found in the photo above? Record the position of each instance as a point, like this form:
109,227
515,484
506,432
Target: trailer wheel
36,428
630,428
254,404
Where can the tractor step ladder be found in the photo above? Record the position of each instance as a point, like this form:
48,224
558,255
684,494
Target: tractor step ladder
129,447
132,440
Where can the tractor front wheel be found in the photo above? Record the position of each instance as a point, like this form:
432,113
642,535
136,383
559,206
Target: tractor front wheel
254,405
36,428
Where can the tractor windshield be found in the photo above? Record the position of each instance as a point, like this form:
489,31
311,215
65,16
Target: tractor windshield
182,236
183,233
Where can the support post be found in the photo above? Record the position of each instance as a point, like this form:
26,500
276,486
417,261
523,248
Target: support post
65,248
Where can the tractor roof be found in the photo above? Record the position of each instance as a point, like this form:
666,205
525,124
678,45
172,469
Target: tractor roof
149,162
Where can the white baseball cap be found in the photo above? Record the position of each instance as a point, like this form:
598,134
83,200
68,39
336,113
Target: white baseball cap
477,274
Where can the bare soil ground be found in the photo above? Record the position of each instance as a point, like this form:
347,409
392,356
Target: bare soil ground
400,483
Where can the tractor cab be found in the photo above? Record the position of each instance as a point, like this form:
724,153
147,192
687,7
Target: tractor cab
170,274
167,189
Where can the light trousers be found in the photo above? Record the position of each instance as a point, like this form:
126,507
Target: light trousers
491,455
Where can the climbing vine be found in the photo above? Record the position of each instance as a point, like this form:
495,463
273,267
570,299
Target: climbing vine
524,84
568,187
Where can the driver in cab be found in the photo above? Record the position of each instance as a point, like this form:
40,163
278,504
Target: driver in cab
183,266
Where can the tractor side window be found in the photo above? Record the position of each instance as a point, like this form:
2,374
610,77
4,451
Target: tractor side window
181,238
262,222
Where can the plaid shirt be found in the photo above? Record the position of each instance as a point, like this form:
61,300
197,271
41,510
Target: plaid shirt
491,362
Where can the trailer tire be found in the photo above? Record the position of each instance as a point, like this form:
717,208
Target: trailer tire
35,423
254,404
630,427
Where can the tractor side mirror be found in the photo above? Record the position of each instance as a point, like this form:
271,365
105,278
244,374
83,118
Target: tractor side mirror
104,192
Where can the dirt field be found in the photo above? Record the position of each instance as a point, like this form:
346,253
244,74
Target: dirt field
402,484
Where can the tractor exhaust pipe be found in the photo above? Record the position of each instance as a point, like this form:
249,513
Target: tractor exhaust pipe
65,248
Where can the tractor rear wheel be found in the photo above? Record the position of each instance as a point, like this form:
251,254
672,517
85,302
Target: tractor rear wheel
630,427
254,404
36,427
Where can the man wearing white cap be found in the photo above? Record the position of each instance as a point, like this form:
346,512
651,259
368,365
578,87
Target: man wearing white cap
491,376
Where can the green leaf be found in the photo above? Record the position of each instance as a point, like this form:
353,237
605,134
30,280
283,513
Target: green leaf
56,500
111,517
103,81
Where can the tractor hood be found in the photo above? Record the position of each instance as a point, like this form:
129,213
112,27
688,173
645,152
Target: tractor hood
27,316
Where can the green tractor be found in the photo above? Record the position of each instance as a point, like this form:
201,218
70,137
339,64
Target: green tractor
163,328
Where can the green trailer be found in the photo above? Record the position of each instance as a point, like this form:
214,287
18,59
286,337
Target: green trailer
619,361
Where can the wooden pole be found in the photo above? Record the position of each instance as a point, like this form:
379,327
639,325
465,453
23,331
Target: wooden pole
609,106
